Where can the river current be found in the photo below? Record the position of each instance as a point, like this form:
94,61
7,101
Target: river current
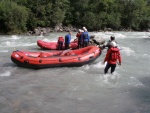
77,89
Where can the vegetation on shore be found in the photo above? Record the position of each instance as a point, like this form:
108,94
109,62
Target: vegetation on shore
20,16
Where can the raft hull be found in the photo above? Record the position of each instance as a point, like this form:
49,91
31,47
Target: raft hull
38,62
53,45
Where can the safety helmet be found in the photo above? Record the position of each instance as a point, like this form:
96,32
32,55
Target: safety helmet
113,44
79,30
112,37
84,28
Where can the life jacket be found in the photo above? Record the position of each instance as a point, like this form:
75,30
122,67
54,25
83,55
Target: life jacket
78,35
114,55
61,39
85,35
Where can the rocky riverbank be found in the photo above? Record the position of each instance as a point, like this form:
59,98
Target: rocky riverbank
58,28
44,31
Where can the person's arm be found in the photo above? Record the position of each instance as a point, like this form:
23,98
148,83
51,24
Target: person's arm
107,55
88,38
69,38
108,44
119,58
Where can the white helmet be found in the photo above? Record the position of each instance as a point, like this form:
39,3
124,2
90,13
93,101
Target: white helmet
84,28
79,30
113,44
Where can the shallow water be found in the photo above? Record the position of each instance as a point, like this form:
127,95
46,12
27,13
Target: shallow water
77,89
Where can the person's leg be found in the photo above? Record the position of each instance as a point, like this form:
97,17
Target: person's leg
86,44
61,44
113,67
83,43
78,44
106,68
67,46
58,45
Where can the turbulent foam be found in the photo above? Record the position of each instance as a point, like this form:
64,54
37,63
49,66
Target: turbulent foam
128,51
46,40
134,82
106,35
7,73
99,65
146,55
3,51
16,44
15,37
109,80
119,35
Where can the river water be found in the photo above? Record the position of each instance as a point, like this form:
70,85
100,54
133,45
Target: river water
77,89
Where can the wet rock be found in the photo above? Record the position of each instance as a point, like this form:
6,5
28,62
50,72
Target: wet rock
96,40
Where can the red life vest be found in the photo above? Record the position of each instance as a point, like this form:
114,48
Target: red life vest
78,35
113,54
61,39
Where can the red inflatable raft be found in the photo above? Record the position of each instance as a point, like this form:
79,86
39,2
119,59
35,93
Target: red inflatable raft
53,45
67,58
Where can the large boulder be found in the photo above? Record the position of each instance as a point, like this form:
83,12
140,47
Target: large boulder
96,40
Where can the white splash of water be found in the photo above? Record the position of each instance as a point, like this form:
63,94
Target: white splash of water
107,77
145,55
99,65
134,82
110,80
145,36
15,37
119,35
28,44
109,33
3,51
16,44
87,67
128,51
7,73
46,40
8,43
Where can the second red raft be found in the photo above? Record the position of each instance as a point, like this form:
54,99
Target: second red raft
53,45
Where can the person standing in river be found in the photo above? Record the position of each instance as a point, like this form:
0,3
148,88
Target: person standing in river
112,56
112,39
